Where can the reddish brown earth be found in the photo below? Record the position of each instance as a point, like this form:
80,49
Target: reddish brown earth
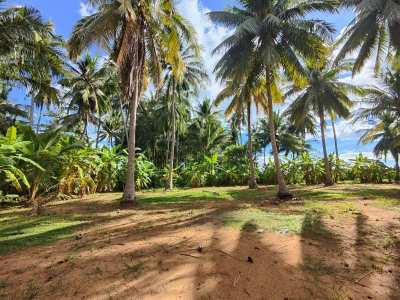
185,252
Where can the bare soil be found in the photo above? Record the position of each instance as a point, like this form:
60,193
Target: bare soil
185,251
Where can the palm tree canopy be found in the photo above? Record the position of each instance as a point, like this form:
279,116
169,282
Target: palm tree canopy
385,133
85,82
375,29
322,91
162,30
271,34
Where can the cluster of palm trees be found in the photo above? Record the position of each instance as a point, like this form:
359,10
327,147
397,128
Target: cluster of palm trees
272,39
275,53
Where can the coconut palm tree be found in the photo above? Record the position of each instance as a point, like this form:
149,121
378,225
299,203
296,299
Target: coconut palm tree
322,93
9,112
244,92
139,34
375,29
383,104
333,119
271,35
179,85
85,83
30,54
385,133
383,99
206,134
287,141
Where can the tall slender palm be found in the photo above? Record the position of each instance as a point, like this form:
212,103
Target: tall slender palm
244,92
139,33
85,83
385,133
333,118
272,35
322,93
181,80
375,29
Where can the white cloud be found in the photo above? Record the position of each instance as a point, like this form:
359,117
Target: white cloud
85,9
209,36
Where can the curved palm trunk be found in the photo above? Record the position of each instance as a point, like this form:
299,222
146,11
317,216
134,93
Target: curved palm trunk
98,133
131,66
172,149
252,177
328,174
397,167
283,191
335,138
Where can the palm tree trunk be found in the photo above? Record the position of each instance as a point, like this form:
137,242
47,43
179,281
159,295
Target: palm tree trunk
124,119
39,119
252,169
32,113
328,174
98,132
84,131
397,167
240,133
335,138
172,149
283,191
131,67
265,161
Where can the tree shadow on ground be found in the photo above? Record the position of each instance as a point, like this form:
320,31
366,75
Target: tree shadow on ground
321,252
34,231
249,270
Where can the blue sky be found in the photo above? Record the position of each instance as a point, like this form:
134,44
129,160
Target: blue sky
65,13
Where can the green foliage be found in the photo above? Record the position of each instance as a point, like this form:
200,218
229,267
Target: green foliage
14,153
365,170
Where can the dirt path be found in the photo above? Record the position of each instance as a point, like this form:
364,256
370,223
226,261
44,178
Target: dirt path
186,252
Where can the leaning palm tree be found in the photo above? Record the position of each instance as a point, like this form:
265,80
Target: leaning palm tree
322,93
139,34
272,35
375,29
385,133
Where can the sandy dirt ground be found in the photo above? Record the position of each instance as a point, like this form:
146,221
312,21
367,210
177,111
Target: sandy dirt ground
186,252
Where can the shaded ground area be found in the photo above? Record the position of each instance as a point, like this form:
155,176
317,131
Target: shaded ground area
212,243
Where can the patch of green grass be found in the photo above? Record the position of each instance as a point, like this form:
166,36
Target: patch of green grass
269,221
185,196
331,208
23,231
387,203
